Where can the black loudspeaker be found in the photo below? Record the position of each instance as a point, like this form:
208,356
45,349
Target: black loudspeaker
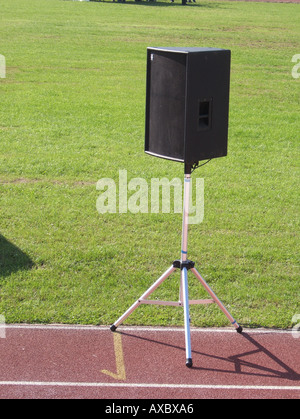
187,103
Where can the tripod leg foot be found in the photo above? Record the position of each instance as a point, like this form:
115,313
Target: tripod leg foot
113,328
239,329
189,363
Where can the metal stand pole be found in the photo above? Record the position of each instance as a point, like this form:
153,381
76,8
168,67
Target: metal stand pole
184,275
184,265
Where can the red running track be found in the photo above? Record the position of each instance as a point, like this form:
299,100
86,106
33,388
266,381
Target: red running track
52,362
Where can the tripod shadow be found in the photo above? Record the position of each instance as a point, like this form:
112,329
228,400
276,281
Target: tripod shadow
12,259
236,363
285,373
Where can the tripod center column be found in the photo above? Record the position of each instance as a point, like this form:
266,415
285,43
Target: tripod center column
185,217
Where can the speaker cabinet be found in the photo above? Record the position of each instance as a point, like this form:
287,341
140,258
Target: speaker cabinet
187,103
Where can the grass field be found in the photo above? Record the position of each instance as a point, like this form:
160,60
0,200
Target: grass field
72,112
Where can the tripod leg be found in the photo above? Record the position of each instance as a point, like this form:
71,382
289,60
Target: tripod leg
143,297
184,282
239,329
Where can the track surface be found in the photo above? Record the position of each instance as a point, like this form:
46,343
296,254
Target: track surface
146,363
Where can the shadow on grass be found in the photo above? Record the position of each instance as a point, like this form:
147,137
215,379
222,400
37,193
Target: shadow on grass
12,259
176,3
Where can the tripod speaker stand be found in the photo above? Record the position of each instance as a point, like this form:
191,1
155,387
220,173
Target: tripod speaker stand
184,265
186,121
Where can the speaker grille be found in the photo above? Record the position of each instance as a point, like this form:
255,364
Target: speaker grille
167,104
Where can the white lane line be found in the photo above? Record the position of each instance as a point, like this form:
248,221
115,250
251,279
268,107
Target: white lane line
140,328
148,385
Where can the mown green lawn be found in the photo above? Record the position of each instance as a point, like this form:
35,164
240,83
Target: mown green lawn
72,112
